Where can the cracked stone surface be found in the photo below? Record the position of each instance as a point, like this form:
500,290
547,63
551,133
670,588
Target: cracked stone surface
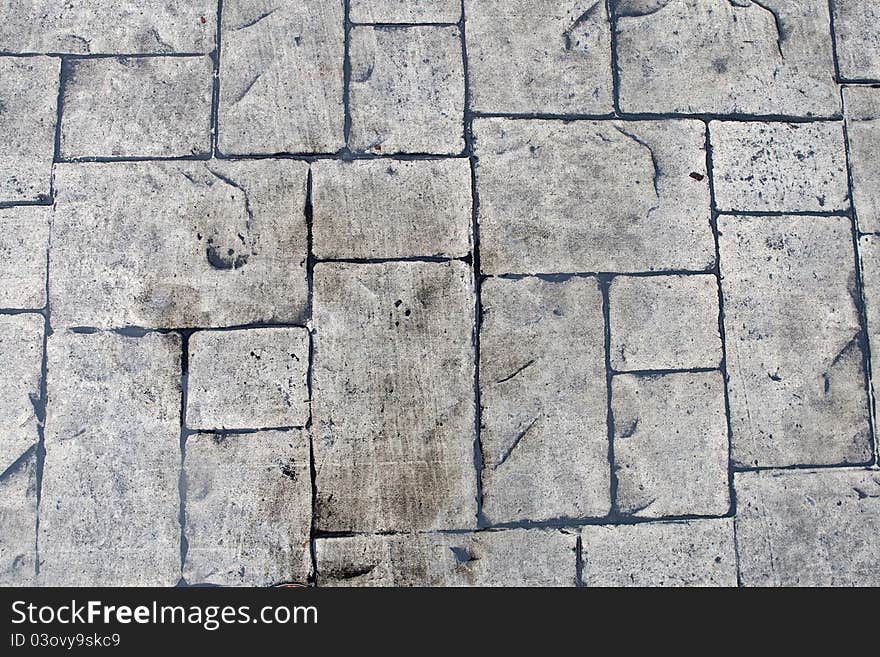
21,352
18,517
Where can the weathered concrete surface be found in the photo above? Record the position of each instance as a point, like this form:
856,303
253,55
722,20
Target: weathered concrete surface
109,506
173,244
670,444
505,558
18,519
611,196
393,397
664,322
407,90
862,107
794,343
543,396
137,107
391,209
691,553
405,11
248,508
21,355
281,77
28,111
726,57
249,379
527,56
24,242
811,528
858,38
869,252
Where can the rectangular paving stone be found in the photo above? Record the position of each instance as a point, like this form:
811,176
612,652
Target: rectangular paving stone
248,379
611,196
248,508
175,244
862,106
515,557
393,396
808,528
137,107
405,11
869,253
391,209
110,504
21,358
664,322
28,109
90,26
693,553
24,243
281,74
544,403
526,56
779,167
670,444
794,342
18,523
726,57
407,90
858,38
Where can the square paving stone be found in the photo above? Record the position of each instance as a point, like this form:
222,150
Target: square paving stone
24,243
526,56
109,512
407,90
670,444
692,553
664,322
249,379
391,209
281,77
176,244
393,402
515,557
125,26
858,38
405,11
794,342
18,523
248,509
136,107
21,358
726,57
779,167
28,110
544,400
808,528
862,105
610,196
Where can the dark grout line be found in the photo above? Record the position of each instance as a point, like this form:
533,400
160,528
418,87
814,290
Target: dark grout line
346,73
403,26
579,562
308,214
88,55
834,57
372,261
140,331
859,82
544,116
783,213
868,465
100,159
241,431
611,8
736,557
40,407
43,202
215,89
59,109
343,155
660,116
22,311
664,372
19,463
184,433
562,277
604,289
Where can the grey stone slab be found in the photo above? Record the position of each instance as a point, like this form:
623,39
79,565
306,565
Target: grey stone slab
391,209
794,343
110,504
18,523
393,396
281,74
693,553
858,38
779,167
174,244
664,322
21,357
248,508
515,557
407,90
90,26
24,243
248,379
610,196
526,56
862,107
544,401
137,107
869,254
670,445
28,109
808,528
405,11
726,57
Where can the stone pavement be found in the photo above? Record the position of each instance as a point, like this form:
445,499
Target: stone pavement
439,292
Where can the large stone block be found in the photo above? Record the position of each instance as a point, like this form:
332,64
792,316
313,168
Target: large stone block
24,243
21,358
18,523
862,105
